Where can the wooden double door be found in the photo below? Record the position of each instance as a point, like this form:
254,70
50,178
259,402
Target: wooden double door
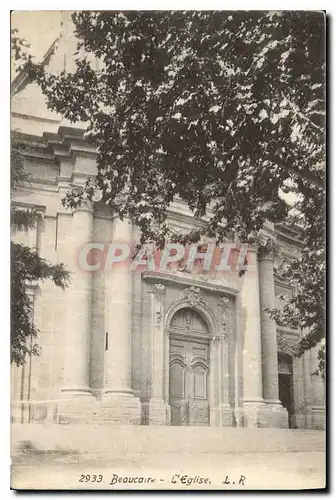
189,381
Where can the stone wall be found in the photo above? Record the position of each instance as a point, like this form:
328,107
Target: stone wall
244,377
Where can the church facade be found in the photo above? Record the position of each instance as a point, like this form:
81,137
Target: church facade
144,346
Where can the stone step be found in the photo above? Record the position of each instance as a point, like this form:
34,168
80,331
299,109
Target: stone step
113,440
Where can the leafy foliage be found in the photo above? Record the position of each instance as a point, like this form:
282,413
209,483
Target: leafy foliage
222,109
28,268
20,51
306,310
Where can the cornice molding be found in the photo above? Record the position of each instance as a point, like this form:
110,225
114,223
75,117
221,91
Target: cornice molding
67,143
174,279
46,119
289,333
25,205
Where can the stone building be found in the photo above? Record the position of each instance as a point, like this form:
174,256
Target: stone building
146,347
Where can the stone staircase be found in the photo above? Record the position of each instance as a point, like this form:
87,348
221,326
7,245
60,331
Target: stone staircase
111,441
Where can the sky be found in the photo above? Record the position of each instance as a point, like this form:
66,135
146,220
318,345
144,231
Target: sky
39,28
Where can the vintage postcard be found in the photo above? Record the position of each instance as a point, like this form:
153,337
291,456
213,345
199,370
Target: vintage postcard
168,250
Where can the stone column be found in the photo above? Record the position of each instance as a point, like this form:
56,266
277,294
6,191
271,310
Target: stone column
119,401
225,412
252,369
77,355
277,415
157,406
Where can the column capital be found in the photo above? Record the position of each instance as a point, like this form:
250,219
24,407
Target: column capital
252,248
85,206
223,302
267,252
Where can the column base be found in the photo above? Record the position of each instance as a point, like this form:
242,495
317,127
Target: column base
225,416
70,392
276,415
34,411
311,418
265,415
75,406
119,407
238,417
158,412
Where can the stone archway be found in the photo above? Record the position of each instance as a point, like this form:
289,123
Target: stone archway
191,322
189,368
216,331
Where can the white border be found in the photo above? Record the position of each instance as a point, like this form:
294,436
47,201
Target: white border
329,6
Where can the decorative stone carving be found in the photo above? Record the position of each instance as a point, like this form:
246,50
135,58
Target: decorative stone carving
77,191
159,288
97,195
191,296
222,304
223,328
84,205
203,277
268,249
285,344
158,318
188,320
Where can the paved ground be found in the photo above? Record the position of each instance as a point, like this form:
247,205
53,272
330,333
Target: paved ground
167,458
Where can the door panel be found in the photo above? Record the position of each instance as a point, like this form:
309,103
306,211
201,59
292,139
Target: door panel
199,404
199,382
177,377
177,383
188,382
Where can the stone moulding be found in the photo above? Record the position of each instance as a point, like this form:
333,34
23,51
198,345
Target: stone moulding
186,281
287,342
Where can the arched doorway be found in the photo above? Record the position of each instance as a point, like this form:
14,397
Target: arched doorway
189,359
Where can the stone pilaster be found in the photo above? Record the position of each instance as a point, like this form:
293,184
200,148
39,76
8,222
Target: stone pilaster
225,411
76,396
119,402
158,409
278,416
